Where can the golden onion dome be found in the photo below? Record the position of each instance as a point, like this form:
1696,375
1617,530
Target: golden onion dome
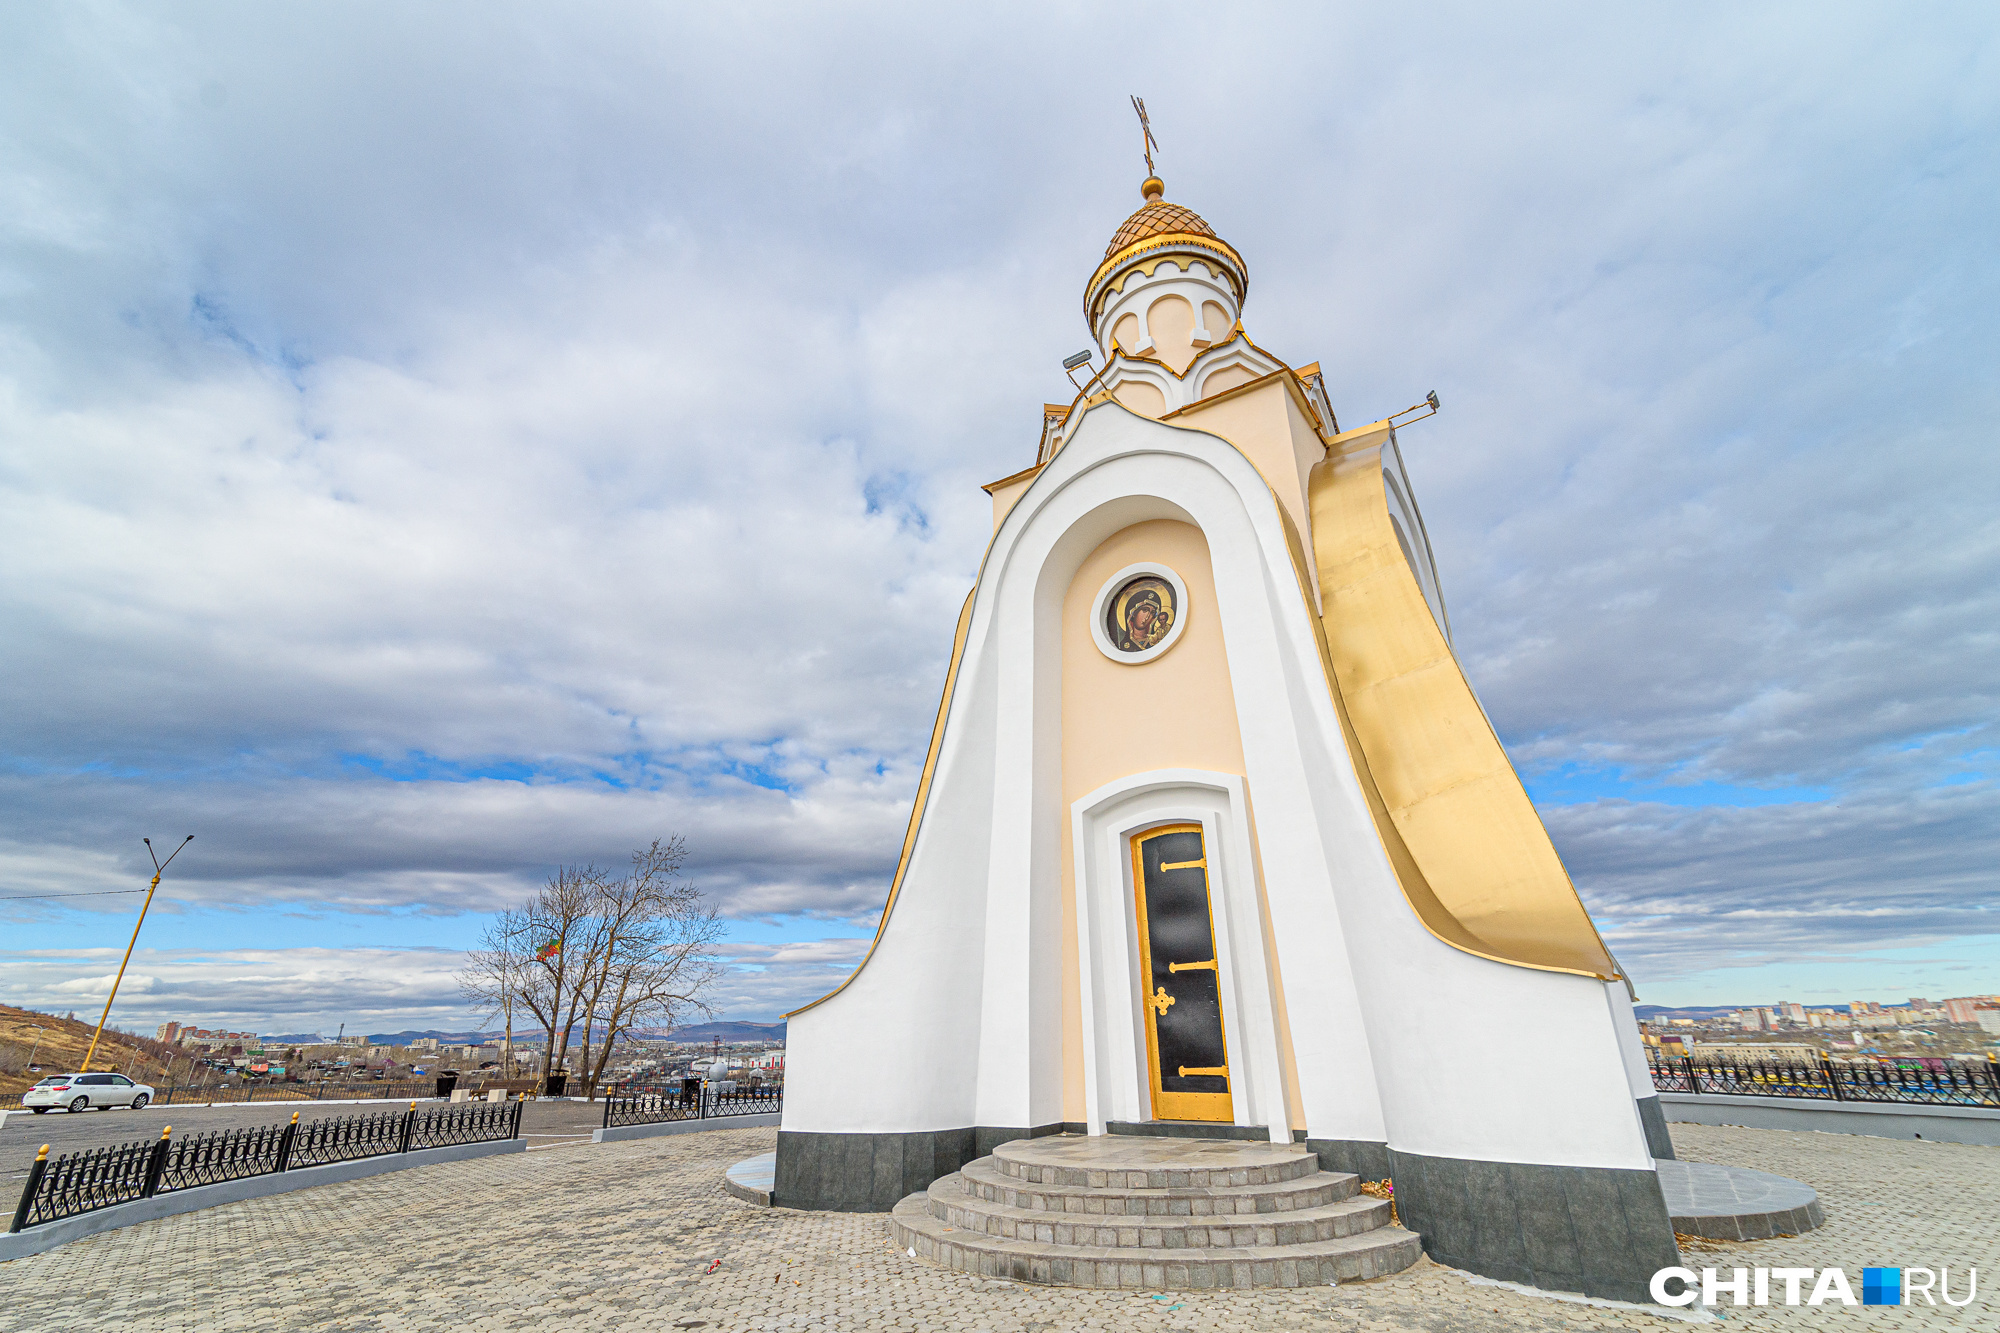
1159,228
1157,219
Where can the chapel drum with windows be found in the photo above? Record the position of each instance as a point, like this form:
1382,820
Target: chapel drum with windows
1187,1060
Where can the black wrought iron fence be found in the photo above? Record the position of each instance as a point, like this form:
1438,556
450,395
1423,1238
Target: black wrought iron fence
1906,1082
653,1106
350,1137
470,1122
228,1154
83,1182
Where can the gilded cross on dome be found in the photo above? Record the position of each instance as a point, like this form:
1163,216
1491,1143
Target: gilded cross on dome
1151,144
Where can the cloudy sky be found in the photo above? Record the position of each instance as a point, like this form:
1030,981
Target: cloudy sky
441,443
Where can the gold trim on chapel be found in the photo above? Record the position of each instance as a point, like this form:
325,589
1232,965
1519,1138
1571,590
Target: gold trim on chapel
1470,852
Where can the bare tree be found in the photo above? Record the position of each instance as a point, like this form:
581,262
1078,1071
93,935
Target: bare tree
529,957
605,953
655,956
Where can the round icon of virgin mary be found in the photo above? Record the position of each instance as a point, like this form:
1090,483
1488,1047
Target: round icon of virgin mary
1140,614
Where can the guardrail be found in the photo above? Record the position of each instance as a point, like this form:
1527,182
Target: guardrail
1905,1082
82,1182
652,1106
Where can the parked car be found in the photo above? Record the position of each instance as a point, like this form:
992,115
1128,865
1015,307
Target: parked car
80,1092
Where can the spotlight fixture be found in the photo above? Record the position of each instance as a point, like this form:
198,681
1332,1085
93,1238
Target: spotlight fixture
1430,401
1070,365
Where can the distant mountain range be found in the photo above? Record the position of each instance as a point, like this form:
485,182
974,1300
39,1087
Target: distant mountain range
1710,1010
1684,1011
728,1031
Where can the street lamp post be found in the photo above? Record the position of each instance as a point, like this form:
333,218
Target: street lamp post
159,869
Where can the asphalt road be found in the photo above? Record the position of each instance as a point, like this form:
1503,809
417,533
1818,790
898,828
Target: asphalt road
544,1124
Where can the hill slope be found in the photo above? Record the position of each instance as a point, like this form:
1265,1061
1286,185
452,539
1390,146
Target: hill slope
62,1044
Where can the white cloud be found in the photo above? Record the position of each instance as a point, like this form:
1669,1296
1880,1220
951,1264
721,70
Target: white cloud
428,454
370,990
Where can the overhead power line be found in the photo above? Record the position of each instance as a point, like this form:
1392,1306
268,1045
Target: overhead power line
95,893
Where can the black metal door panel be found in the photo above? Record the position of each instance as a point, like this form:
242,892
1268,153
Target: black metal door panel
1190,1060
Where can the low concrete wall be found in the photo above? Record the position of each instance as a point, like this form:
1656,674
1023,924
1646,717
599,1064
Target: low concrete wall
36,1240
1941,1124
621,1133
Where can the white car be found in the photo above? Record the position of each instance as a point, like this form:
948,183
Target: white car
80,1092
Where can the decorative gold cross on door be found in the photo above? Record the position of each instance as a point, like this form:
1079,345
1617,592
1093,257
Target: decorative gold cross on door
1161,1001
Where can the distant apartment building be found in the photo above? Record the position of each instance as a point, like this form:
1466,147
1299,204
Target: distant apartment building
1752,1051
1795,1013
1988,1018
424,1044
1863,1007
169,1033
210,1038
1963,1009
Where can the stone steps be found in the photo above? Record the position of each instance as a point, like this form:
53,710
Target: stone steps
1315,1191
1350,1258
950,1204
1195,1163
1164,1214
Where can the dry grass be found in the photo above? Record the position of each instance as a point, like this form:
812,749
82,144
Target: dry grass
1384,1188
63,1042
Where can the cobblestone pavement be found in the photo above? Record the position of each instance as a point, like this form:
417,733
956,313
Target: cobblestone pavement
642,1236
545,1124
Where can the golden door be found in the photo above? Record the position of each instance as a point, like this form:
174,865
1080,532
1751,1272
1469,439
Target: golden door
1185,1054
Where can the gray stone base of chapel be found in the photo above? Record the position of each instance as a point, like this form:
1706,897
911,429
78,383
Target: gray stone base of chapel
1593,1230
1368,1160
871,1173
1654,1118
1596,1230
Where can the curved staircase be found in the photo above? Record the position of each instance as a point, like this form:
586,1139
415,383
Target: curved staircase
1154,1213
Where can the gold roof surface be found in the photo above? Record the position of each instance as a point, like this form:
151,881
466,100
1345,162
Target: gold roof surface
1157,219
1159,228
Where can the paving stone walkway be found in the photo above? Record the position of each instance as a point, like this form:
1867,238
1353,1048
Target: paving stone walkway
642,1236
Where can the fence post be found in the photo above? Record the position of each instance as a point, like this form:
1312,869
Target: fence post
519,1102
285,1143
607,1110
409,1125
1694,1082
29,1190
1832,1077
702,1098
156,1162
